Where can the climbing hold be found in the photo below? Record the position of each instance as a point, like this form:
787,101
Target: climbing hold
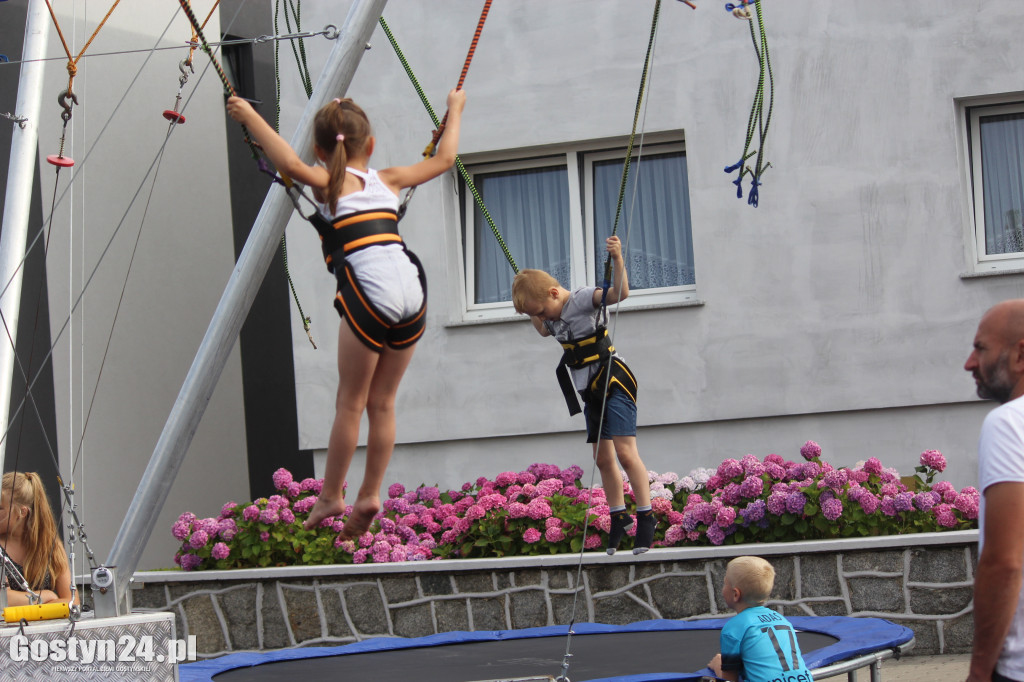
60,161
173,116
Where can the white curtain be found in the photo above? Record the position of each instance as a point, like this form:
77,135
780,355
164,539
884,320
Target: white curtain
531,210
660,244
1002,163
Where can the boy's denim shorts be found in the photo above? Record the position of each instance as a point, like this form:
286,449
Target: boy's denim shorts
619,417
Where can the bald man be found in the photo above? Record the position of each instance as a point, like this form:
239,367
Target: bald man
997,364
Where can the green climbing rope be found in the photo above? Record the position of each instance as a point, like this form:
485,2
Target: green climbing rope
307,85
636,118
458,161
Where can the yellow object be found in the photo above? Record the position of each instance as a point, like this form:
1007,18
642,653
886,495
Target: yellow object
14,614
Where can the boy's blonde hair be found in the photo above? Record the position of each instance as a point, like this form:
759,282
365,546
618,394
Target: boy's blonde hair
531,286
753,577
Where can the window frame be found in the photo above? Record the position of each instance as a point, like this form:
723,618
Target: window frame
972,111
577,158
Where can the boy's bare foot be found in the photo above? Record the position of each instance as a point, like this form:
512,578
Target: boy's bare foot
359,520
323,509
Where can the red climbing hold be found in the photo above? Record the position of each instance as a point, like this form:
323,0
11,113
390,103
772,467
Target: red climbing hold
173,116
61,161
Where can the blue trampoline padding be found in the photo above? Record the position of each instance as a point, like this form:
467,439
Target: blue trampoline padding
856,636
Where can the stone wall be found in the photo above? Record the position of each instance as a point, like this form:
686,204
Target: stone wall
923,582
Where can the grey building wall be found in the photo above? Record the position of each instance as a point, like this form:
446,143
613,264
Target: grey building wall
170,254
836,311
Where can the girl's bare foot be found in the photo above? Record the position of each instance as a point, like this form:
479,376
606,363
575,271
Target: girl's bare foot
359,520
321,510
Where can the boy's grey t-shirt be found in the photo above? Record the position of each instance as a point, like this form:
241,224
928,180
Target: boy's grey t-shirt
578,321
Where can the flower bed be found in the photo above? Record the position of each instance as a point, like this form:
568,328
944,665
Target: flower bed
546,510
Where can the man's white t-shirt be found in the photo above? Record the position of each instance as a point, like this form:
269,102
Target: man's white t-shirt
1001,460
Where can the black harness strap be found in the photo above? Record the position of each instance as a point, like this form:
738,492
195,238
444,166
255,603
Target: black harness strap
353,232
596,348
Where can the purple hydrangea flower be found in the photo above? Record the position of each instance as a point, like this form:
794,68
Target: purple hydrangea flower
873,466
832,509
190,562
868,502
220,551
810,450
181,529
796,502
396,490
199,539
754,511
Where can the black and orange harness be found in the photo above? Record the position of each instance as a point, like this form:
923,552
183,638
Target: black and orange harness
353,232
580,353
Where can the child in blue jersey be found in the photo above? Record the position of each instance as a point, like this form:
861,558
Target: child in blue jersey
758,644
381,292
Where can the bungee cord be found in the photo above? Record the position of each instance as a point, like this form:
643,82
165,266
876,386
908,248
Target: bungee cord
293,192
466,177
641,104
757,122
439,126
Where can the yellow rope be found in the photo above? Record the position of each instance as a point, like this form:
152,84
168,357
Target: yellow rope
73,61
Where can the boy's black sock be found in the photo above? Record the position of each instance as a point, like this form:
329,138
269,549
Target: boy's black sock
646,524
621,522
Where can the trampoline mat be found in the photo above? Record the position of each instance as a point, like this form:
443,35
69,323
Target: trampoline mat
595,656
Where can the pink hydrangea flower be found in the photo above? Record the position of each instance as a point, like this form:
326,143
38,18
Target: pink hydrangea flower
933,459
554,534
312,485
282,477
220,551
873,466
944,515
967,504
531,535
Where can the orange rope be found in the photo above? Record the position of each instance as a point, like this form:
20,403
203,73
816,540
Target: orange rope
195,36
429,151
73,61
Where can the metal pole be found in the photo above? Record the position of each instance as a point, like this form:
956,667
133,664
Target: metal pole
18,196
227,321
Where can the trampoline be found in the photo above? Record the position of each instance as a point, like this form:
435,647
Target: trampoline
647,651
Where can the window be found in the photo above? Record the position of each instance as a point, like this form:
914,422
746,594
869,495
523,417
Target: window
555,211
996,152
